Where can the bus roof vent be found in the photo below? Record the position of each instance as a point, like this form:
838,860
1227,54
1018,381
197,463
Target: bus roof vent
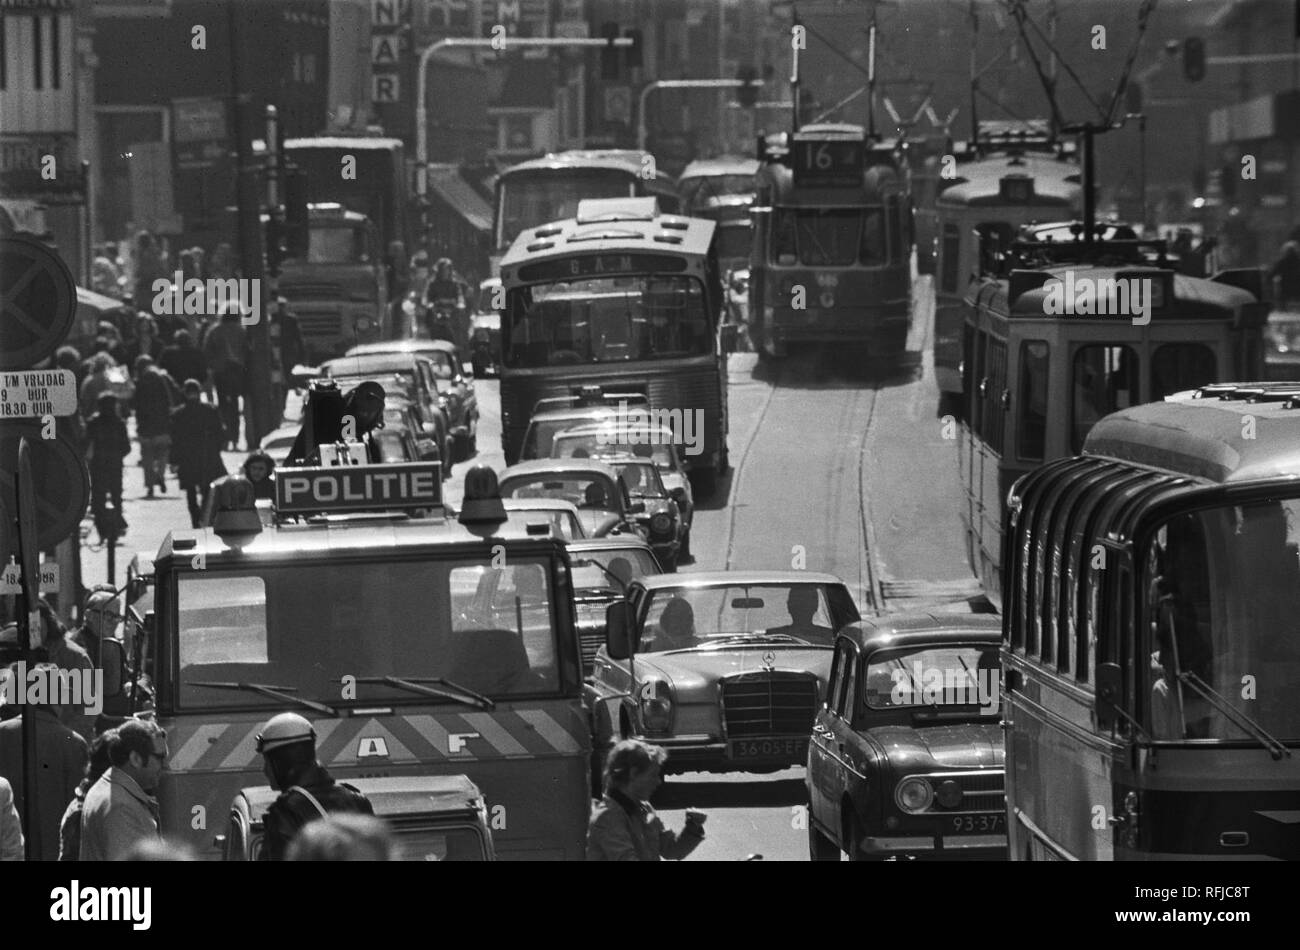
541,245
549,230
1022,281
668,238
675,224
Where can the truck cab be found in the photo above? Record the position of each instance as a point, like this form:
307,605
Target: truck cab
338,289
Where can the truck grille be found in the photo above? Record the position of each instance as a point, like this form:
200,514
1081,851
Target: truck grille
768,704
590,641
319,324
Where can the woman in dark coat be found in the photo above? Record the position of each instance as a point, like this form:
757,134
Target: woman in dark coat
109,445
197,438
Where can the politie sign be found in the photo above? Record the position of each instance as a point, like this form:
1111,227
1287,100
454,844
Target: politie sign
402,485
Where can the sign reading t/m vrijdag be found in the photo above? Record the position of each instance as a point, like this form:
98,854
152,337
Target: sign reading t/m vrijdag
32,394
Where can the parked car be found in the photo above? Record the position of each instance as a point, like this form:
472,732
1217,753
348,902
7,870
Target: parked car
603,571
730,666
554,415
907,757
432,817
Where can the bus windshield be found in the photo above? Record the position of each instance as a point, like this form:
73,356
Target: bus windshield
529,201
1222,613
827,237
487,629
605,320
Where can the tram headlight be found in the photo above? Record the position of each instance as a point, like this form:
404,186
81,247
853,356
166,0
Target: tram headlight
914,795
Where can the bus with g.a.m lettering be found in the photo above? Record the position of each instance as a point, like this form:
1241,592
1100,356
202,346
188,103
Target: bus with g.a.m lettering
1151,635
418,645
619,299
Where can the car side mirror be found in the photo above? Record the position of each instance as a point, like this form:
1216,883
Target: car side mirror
618,630
1110,690
112,660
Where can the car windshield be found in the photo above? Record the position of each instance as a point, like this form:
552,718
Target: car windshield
566,522
606,320
307,625
540,437
697,191
947,675
656,445
641,480
441,843
627,563
583,490
684,617
1221,593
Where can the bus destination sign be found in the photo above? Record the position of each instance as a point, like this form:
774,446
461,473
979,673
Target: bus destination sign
598,264
828,163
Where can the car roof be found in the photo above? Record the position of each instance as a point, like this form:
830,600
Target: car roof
701,579
921,628
622,542
400,346
391,797
539,504
598,426
576,412
547,466
367,364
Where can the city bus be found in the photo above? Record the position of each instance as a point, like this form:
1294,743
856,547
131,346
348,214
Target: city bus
832,244
1034,382
625,299
549,188
1151,636
983,208
356,602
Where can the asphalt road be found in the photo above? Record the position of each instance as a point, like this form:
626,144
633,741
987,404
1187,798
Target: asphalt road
838,466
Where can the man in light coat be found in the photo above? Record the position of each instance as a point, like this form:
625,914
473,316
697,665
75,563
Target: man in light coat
120,810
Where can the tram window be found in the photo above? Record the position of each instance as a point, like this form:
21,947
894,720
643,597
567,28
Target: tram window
1032,427
873,238
994,238
1105,381
995,414
950,253
977,407
1179,366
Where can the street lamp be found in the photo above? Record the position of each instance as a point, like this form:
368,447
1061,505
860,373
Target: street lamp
494,43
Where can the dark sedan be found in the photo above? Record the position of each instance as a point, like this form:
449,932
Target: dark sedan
907,758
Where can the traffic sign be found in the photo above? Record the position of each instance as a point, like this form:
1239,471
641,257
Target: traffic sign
12,575
60,485
34,394
38,302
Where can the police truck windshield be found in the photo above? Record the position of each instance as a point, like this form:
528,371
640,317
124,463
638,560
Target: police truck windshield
310,625
605,320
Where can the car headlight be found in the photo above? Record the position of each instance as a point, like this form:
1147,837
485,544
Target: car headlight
914,795
656,706
661,523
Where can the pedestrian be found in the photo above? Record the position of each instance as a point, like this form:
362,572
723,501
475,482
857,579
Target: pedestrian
197,438
104,272
226,350
307,792
100,616
154,402
287,351
149,268
1285,275
12,846
623,825
146,341
120,810
61,757
112,334
97,764
343,838
95,384
183,360
67,654
259,469
67,357
108,445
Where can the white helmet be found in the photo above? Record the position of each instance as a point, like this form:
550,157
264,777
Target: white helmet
284,729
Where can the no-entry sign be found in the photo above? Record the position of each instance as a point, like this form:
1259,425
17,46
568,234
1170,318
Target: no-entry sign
38,302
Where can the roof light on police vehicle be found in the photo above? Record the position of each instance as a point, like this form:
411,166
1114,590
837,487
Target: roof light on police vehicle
482,504
914,794
234,511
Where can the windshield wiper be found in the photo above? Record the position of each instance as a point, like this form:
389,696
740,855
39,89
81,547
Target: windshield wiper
1239,718
417,685
282,693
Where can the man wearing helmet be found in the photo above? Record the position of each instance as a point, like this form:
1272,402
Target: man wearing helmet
307,792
